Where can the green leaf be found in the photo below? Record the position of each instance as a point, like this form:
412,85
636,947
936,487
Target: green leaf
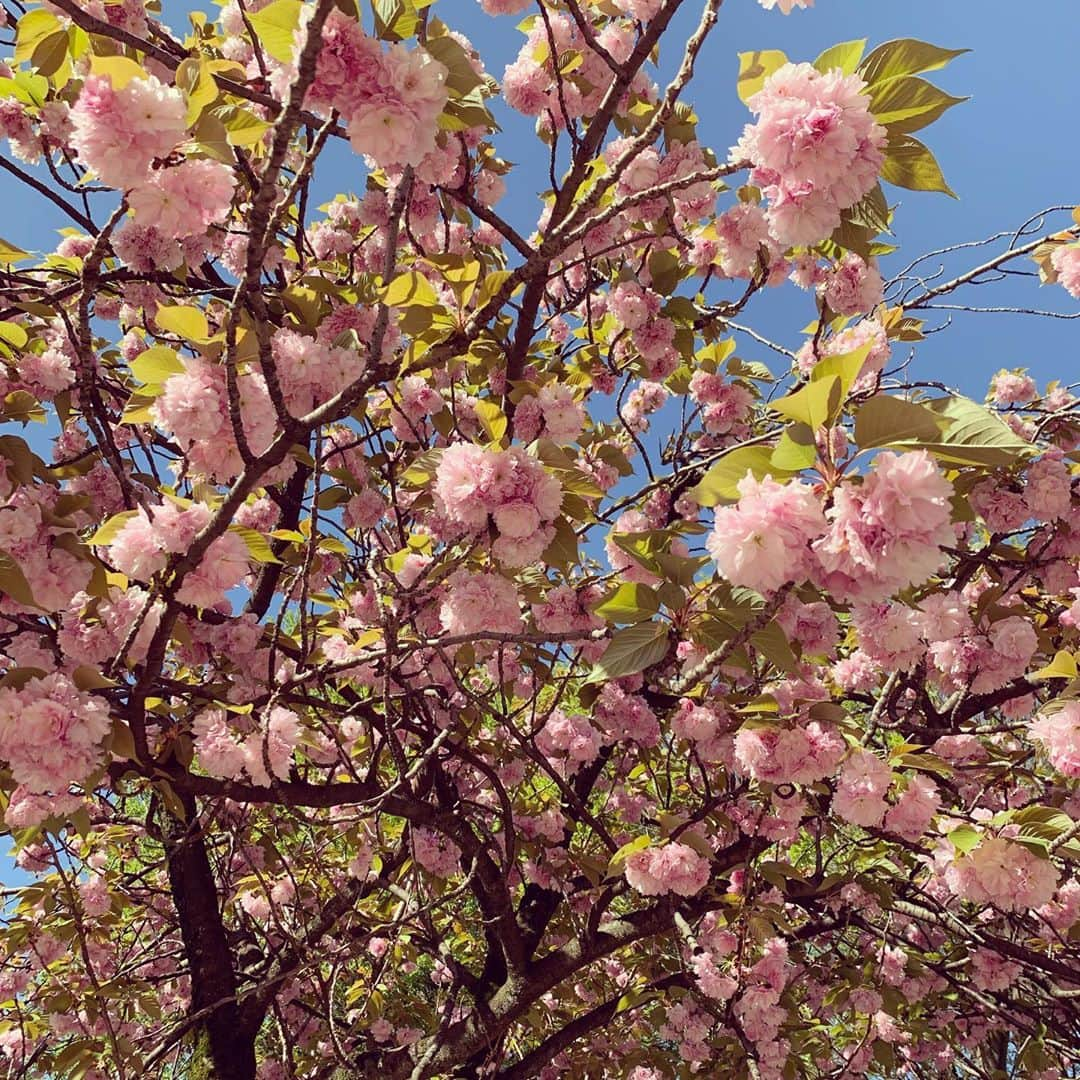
275,25
50,54
976,435
632,650
815,405
13,334
772,643
629,603
188,323
965,838
755,68
910,164
721,482
905,56
1063,666
845,56
408,289
492,419
909,103
257,544
13,582
9,253
885,421
796,449
156,364
845,366
108,532
34,27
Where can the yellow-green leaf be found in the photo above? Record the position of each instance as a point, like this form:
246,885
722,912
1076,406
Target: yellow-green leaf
905,56
845,56
1063,666
910,164
908,103
408,289
275,26
13,581
631,650
721,482
629,603
120,69
188,323
492,419
257,544
886,421
156,364
108,532
34,27
815,405
755,68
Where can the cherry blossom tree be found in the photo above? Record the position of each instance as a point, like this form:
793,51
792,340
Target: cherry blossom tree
431,650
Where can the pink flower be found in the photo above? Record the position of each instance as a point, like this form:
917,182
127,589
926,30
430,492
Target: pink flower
914,810
815,148
788,755
504,7
642,10
478,602
1059,734
569,739
764,540
786,6
1012,388
51,733
437,854
185,199
860,791
887,533
672,868
853,286
1066,262
1004,874
119,133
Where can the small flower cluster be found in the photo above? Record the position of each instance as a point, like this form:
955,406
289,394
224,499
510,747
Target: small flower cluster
476,488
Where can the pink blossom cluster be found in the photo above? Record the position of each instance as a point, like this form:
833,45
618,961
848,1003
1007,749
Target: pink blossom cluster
1059,734
786,6
1003,873
861,788
553,413
143,545
530,85
887,532
390,100
569,741
265,751
763,541
815,150
51,733
436,853
311,370
506,489
120,133
725,403
193,407
478,602
853,286
670,868
1065,259
795,755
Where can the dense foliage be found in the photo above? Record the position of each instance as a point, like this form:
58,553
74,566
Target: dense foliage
430,650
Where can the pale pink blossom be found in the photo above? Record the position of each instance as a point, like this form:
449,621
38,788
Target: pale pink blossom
672,868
